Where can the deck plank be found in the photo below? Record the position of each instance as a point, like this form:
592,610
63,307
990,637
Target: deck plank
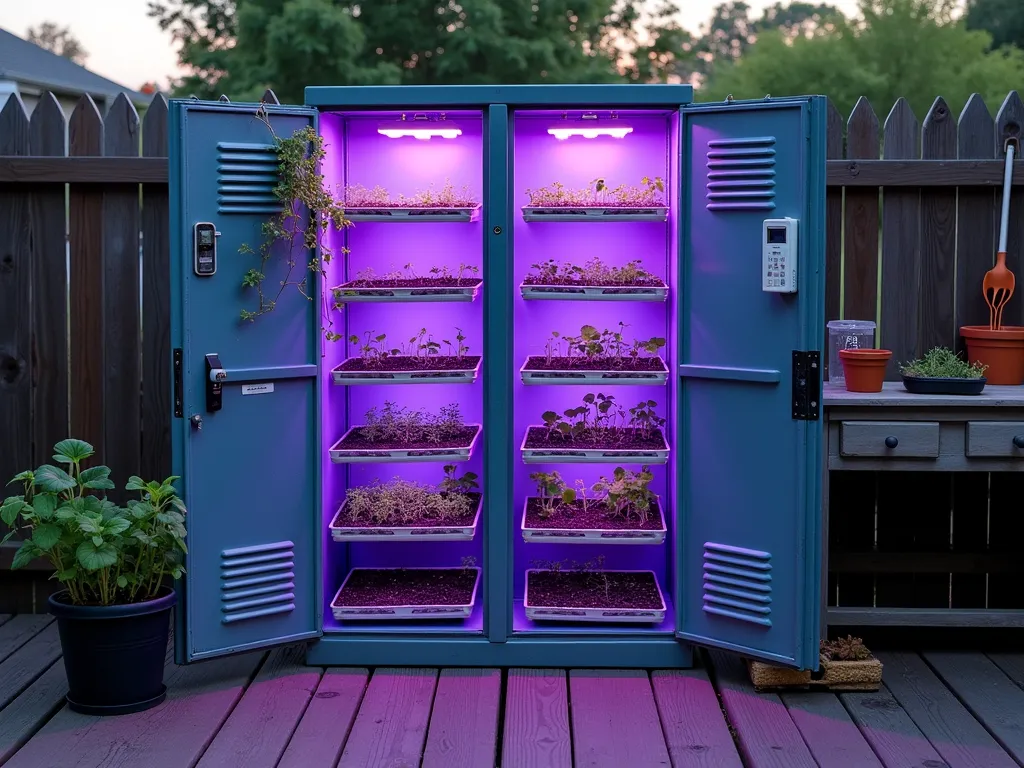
257,731
463,730
960,739
1012,665
30,711
767,735
988,693
324,728
536,720
695,729
27,663
5,617
19,630
172,735
391,727
893,736
615,720
828,730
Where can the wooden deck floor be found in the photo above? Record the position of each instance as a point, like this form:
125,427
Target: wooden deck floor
267,710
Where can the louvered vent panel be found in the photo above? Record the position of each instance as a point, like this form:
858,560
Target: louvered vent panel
246,177
738,583
257,581
741,174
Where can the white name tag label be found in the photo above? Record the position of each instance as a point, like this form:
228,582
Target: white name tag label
258,389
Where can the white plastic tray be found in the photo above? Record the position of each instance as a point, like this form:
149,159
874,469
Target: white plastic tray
405,533
425,376
576,376
571,455
594,292
468,213
600,615
434,294
593,535
403,612
380,455
593,213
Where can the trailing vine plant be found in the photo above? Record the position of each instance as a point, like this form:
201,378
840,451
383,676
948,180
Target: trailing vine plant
301,190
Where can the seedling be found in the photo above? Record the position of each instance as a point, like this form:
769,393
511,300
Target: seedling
358,196
627,493
422,350
600,419
599,194
552,491
593,272
400,502
394,424
594,348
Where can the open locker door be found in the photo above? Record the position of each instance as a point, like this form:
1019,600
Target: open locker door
749,434
249,464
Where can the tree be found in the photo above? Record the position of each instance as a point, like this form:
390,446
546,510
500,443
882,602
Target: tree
911,48
241,47
1003,19
57,40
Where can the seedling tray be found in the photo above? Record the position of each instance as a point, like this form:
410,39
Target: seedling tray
403,533
593,535
594,292
920,385
594,213
573,455
398,215
581,376
424,376
403,612
345,294
598,615
365,455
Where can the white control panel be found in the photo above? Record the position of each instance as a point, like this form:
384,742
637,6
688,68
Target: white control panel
779,255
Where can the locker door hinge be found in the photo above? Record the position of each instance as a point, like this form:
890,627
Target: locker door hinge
177,363
806,385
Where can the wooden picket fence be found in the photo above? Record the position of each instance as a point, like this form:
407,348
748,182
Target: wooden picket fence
912,223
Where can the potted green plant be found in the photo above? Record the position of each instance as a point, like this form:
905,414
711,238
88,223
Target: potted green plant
942,372
114,564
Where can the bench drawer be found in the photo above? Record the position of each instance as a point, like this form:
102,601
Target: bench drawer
1003,439
890,439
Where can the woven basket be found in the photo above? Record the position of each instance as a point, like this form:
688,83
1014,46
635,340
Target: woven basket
834,676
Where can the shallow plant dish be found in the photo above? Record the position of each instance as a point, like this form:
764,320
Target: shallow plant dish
535,372
589,583
346,607
358,452
399,214
424,290
593,292
464,371
628,532
942,386
536,450
441,531
942,372
592,213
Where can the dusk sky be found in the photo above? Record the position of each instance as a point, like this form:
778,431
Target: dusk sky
128,47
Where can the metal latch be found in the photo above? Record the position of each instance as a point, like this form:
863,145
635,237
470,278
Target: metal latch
806,385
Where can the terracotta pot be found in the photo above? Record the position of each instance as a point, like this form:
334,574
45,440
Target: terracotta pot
1002,351
864,368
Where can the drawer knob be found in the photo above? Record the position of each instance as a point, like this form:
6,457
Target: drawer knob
891,441
1018,441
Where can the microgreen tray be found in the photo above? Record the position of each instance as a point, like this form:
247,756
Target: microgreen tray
425,376
599,615
581,376
402,532
594,292
593,535
364,455
403,612
594,213
573,455
397,215
345,294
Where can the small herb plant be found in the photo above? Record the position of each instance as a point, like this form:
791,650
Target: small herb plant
394,424
625,494
594,348
101,553
402,502
308,210
847,648
422,349
465,274
358,196
593,272
598,194
601,419
942,363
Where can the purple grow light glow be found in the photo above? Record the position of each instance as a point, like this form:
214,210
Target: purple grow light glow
419,128
588,130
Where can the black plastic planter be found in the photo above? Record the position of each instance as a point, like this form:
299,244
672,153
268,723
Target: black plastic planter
114,654
919,385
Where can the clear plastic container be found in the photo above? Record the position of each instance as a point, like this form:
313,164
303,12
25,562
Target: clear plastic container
847,334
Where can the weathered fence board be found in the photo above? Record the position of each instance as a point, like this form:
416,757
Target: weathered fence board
860,228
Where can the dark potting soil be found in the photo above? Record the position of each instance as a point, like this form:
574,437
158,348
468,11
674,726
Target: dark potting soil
596,517
416,282
584,283
625,438
540,363
587,590
408,363
401,586
356,439
340,521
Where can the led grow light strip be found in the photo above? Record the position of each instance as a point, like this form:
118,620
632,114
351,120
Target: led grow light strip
419,128
589,131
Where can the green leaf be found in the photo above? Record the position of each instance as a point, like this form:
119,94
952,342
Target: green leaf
122,581
26,553
54,479
71,450
11,508
66,512
88,525
44,505
135,483
116,526
97,478
68,574
97,540
46,536
92,557
142,536
22,477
